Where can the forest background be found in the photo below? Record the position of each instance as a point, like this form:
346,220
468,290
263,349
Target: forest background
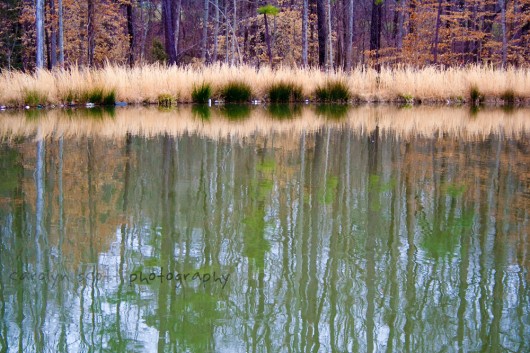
339,34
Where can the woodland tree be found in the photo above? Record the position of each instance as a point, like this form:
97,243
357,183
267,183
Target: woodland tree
322,33
169,30
375,30
39,25
271,11
305,19
349,34
60,39
204,43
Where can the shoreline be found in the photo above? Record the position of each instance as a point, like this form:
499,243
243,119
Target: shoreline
172,85
489,103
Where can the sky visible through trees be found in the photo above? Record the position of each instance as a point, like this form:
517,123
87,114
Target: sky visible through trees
338,34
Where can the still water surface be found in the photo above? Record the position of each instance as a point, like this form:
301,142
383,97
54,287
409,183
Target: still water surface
288,229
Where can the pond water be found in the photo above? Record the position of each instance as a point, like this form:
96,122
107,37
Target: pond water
265,229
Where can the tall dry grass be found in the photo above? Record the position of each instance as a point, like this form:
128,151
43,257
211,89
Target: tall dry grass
424,121
146,84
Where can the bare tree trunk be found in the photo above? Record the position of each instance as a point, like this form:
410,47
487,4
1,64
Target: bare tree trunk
330,40
145,29
90,33
169,31
204,43
47,46
475,50
412,16
401,20
268,39
321,25
375,30
436,32
61,33
349,35
130,32
176,25
216,31
39,24
234,36
305,17
227,24
53,36
503,24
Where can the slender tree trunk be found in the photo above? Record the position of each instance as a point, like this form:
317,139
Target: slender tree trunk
130,32
169,31
53,36
330,39
204,43
176,18
503,24
476,43
399,27
146,23
216,31
375,30
47,45
61,33
412,16
436,32
268,39
305,17
90,33
227,35
321,29
349,35
234,34
39,25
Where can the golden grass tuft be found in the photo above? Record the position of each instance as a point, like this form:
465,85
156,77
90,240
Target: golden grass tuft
145,84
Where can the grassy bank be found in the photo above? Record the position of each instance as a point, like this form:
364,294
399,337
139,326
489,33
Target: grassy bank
170,85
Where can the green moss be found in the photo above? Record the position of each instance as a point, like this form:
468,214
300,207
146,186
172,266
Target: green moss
406,98
166,100
509,97
34,98
109,98
475,96
236,92
333,91
70,97
98,96
201,94
283,92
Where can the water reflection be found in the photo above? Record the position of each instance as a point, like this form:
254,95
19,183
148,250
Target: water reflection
335,238
244,121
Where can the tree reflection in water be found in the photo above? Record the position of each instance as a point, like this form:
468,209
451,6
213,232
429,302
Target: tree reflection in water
336,238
